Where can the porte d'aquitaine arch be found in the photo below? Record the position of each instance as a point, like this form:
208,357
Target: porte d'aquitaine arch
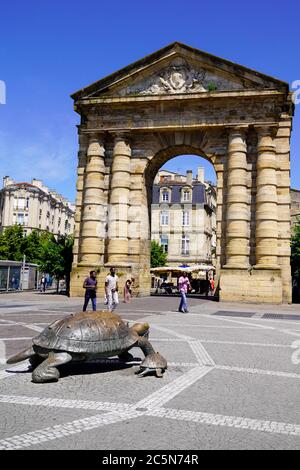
177,101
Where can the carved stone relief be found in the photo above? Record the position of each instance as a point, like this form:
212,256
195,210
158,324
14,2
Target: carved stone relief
180,77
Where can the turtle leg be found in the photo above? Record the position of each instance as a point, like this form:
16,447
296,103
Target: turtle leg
47,371
21,356
159,372
142,372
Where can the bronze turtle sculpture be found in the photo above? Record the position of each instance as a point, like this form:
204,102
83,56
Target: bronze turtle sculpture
88,335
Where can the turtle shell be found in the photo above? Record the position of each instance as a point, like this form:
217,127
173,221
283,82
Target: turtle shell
154,361
88,332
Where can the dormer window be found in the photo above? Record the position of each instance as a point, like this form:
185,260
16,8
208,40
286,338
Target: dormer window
165,196
186,195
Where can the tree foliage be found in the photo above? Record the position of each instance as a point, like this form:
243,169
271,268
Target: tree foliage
53,255
295,255
158,257
12,243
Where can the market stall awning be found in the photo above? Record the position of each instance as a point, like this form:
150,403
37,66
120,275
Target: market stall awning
189,269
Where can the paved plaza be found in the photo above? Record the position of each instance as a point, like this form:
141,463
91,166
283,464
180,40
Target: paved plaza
232,382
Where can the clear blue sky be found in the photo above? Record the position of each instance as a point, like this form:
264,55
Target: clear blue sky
49,49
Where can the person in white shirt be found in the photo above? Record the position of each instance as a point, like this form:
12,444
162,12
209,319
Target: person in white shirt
111,290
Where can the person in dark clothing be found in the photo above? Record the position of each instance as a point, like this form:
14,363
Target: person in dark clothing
90,286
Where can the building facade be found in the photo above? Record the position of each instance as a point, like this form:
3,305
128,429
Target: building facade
35,207
183,101
183,217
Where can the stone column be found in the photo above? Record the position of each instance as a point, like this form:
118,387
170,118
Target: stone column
119,201
93,216
266,201
82,151
238,211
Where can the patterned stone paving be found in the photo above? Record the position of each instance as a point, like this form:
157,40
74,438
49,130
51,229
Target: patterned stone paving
231,383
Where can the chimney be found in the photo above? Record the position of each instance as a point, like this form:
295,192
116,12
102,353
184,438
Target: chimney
189,177
37,183
7,180
200,176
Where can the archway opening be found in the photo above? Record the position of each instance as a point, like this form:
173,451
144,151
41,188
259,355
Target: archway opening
182,204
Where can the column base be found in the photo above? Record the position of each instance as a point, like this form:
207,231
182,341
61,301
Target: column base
251,285
236,266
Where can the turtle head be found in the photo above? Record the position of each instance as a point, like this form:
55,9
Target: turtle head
142,329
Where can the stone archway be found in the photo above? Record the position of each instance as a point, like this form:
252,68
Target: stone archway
181,100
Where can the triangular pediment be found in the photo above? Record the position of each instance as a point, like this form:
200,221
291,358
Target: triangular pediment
178,69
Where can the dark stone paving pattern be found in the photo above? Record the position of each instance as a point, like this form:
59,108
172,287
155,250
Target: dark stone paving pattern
266,387
281,316
225,313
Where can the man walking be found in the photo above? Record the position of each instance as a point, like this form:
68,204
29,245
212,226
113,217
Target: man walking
90,286
111,289
183,287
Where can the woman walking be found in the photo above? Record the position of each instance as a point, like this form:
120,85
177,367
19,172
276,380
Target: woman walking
183,286
127,291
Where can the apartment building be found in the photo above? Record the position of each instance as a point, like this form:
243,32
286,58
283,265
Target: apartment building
183,217
34,206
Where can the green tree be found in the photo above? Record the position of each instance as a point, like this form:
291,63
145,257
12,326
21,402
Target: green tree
66,245
12,243
56,257
33,246
158,257
295,254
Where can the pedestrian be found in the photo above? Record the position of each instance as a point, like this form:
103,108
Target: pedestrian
212,285
111,289
127,291
184,286
90,286
43,284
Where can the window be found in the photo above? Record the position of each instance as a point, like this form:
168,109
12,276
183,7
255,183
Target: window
165,196
164,218
27,203
20,219
186,195
185,245
164,243
185,218
21,203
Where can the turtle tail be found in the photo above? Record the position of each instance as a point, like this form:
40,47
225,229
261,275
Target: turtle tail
21,356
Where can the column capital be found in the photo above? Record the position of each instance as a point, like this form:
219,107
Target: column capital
96,144
119,136
241,129
96,136
265,131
